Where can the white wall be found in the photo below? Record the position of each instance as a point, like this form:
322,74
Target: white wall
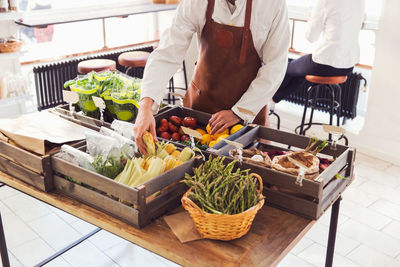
381,134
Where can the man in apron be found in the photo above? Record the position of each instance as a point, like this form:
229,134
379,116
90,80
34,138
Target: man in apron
242,61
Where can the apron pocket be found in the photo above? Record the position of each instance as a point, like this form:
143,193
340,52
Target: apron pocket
224,38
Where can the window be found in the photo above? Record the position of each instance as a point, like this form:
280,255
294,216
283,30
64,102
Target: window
77,37
367,36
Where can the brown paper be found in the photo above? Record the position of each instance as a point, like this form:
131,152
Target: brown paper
3,137
37,132
183,227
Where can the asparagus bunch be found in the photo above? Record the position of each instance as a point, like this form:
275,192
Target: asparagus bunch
218,188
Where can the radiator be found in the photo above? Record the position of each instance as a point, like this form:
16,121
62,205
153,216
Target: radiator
349,99
50,78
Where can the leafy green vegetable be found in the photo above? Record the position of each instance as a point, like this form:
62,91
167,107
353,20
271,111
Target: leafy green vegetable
109,167
197,144
72,180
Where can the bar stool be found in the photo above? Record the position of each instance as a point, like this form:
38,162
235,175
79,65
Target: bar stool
134,62
332,103
96,65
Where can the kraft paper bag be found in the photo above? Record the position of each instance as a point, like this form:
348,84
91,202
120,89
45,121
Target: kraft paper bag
40,131
183,227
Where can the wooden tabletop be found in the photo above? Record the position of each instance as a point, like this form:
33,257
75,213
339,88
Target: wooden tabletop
273,234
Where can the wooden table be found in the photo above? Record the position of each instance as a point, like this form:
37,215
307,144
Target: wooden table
273,234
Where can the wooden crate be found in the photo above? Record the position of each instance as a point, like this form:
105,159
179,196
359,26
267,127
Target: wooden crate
315,196
202,121
86,121
27,166
112,197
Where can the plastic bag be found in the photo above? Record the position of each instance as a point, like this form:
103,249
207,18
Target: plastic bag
108,157
123,128
128,146
85,86
77,157
125,96
98,144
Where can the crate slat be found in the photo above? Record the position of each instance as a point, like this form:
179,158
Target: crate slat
24,174
79,122
97,200
332,170
167,201
291,203
22,156
173,175
282,179
64,110
95,180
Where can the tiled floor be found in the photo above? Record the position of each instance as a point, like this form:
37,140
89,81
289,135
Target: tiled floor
368,231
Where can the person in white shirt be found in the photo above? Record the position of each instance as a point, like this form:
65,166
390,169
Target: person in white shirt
242,61
339,21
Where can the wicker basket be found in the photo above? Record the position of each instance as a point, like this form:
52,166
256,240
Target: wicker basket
10,46
222,227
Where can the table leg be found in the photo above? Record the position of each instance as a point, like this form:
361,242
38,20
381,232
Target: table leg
332,232
3,246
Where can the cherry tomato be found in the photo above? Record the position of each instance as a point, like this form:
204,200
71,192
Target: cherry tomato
190,122
165,135
175,136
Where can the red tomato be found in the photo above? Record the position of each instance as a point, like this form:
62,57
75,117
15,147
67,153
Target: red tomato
163,122
185,137
172,128
163,128
165,135
175,120
190,122
175,136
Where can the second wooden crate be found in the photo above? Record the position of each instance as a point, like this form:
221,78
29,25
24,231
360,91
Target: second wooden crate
315,196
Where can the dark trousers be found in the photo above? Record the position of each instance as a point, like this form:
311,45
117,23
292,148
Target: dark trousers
297,70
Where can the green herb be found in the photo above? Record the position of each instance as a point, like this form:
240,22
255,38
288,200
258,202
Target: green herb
197,144
110,167
219,188
72,180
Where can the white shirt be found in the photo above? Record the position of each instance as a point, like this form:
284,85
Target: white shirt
271,34
340,22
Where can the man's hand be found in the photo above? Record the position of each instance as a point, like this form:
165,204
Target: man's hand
222,120
144,122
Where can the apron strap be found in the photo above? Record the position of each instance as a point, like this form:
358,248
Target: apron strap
246,32
210,10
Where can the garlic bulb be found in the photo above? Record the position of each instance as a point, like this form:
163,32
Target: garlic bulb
257,158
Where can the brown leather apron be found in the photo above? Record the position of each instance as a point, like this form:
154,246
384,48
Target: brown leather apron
227,64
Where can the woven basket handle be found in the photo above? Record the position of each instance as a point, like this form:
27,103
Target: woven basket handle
189,203
258,177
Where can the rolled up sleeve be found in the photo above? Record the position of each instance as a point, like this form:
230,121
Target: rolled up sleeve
168,57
